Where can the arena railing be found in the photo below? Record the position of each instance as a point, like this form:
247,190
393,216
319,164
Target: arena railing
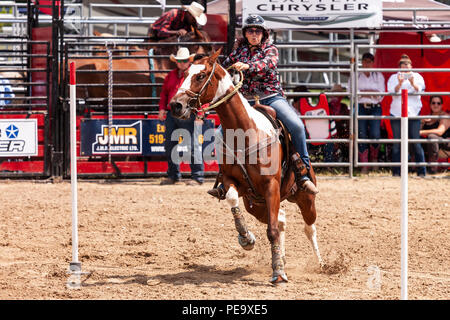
353,95
357,94
322,67
30,84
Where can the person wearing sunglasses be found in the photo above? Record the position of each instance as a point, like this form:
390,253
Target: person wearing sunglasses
256,56
172,83
435,129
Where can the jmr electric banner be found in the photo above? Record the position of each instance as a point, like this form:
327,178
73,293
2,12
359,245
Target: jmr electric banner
18,137
131,136
299,14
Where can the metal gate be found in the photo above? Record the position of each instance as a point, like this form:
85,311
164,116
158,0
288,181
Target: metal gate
24,108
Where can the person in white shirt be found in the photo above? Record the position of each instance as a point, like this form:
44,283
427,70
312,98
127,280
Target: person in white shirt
369,106
414,83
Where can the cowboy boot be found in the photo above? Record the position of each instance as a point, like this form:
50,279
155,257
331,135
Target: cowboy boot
433,157
374,156
364,157
218,191
302,179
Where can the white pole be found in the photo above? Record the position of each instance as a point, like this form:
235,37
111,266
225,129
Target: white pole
75,265
404,195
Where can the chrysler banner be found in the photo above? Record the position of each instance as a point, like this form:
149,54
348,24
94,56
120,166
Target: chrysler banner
18,137
298,14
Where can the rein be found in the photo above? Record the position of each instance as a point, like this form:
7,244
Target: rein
196,96
226,97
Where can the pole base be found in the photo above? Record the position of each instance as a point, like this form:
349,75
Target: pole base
75,267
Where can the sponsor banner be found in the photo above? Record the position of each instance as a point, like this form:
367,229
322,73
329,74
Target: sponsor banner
18,137
130,136
299,14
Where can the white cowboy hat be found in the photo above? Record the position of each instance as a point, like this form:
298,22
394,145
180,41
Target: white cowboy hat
196,9
182,54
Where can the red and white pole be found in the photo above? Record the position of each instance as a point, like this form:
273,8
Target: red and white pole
75,265
404,195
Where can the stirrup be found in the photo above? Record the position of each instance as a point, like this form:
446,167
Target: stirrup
307,186
218,192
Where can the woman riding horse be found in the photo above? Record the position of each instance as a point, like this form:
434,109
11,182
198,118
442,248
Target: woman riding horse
256,171
257,57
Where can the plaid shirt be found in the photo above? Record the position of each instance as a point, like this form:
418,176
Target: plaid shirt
170,21
261,78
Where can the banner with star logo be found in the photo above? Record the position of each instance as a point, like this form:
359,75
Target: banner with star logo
18,137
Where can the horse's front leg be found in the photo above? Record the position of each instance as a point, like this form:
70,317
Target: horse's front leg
246,238
272,197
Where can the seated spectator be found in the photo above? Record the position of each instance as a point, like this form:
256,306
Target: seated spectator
434,129
339,108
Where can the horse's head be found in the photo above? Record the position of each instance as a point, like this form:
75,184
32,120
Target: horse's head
109,44
196,35
200,86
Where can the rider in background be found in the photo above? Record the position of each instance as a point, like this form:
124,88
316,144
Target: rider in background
178,21
257,58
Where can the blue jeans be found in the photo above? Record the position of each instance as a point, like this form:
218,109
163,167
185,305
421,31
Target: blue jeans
368,129
194,149
291,119
413,133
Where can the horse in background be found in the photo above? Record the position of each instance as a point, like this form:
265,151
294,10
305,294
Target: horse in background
195,36
258,166
116,50
141,61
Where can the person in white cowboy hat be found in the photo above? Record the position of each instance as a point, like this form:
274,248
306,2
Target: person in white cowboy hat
172,83
178,21
182,55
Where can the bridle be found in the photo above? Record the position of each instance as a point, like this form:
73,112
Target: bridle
195,105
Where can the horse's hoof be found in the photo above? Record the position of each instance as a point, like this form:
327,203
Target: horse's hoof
279,280
248,243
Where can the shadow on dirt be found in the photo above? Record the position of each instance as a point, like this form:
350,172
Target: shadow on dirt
196,274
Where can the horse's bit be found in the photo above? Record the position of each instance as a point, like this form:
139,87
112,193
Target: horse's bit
195,103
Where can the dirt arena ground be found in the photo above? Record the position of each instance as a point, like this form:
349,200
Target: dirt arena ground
139,240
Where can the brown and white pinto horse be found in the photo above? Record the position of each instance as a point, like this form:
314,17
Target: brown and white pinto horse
259,182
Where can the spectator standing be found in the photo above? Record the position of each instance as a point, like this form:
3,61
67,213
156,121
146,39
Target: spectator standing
172,83
414,83
369,106
434,129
